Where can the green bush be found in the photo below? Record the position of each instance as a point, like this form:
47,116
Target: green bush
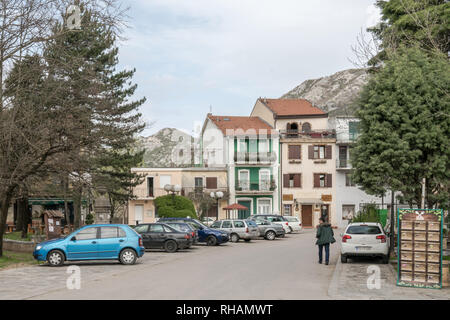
367,214
175,206
89,218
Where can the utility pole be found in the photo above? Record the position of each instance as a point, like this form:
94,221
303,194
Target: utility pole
391,241
424,180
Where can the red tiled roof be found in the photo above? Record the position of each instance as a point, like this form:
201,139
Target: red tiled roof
292,107
244,124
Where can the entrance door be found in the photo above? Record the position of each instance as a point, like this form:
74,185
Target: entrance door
307,216
244,214
138,214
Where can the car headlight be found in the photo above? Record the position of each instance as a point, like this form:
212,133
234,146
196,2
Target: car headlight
38,247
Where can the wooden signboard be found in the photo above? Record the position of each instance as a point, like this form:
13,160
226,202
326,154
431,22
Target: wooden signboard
419,248
326,197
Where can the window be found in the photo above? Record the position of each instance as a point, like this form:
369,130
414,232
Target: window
353,130
211,183
292,219
287,209
264,206
239,224
319,152
348,212
263,145
348,180
87,234
198,182
108,232
363,230
156,228
149,213
141,229
242,145
292,180
264,180
306,127
163,180
150,186
168,229
122,233
294,152
244,179
216,224
322,180
226,224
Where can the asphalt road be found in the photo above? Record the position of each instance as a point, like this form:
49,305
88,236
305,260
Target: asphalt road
280,269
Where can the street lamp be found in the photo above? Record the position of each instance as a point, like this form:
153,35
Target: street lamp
217,196
173,190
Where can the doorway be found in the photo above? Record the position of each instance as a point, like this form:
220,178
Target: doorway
307,221
243,214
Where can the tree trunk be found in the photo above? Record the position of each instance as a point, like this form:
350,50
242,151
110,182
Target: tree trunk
4,206
66,204
23,216
77,207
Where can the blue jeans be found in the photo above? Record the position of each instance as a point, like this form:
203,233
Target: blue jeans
327,252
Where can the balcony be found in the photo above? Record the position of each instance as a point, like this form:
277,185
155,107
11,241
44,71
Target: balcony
185,191
314,134
255,157
343,164
264,186
346,137
143,193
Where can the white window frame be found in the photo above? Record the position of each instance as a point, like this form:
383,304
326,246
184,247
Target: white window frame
264,142
239,145
265,199
260,180
239,177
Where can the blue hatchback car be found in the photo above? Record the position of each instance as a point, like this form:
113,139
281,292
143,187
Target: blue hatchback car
93,242
212,237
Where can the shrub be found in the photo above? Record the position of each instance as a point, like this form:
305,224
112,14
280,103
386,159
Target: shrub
367,214
175,206
89,218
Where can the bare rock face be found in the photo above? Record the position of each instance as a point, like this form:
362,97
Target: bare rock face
335,94
164,148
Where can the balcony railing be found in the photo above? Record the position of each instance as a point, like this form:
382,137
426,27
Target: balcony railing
199,190
346,137
343,164
255,157
264,185
330,134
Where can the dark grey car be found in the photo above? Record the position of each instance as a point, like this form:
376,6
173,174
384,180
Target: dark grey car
269,230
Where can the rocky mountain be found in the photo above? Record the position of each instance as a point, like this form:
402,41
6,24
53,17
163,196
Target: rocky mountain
166,148
335,94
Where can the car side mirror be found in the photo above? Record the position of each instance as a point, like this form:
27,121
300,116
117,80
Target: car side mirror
73,238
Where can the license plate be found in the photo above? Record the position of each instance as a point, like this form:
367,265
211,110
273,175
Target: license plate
363,248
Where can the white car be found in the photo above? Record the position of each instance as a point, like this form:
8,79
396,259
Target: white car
294,223
364,239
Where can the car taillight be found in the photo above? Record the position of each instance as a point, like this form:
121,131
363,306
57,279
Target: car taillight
187,236
246,230
300,224
140,242
382,238
193,234
344,238
287,223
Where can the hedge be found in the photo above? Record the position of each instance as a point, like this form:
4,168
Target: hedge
175,206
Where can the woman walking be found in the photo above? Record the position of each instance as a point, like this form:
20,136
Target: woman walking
324,237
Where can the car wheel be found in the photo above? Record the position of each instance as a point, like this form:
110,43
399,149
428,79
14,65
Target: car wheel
343,259
270,235
170,246
385,259
55,258
234,237
211,241
128,256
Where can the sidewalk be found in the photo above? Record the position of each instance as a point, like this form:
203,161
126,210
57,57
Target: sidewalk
350,282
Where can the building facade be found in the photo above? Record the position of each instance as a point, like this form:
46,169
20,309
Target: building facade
308,166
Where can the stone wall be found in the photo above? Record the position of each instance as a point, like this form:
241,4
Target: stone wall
18,246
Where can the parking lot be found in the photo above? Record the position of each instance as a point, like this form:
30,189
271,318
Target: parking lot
280,269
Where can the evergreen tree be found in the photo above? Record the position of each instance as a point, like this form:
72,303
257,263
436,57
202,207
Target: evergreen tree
405,129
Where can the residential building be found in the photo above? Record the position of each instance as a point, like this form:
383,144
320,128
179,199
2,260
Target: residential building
248,147
191,180
308,166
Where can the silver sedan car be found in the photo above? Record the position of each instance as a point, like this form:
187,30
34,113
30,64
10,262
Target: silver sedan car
238,229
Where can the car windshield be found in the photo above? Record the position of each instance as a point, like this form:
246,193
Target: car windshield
179,226
363,229
201,224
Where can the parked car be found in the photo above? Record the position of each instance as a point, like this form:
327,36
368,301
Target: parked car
163,236
211,236
185,227
294,223
208,221
93,242
364,239
269,230
238,229
275,218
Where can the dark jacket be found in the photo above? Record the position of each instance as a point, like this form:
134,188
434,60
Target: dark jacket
324,234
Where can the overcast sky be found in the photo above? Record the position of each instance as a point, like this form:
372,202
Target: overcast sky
193,54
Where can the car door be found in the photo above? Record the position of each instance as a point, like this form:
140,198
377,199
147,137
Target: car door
227,226
83,245
110,242
239,227
142,229
157,235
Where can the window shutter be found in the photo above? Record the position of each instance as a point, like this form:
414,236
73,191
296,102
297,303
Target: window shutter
299,152
286,180
329,183
211,183
291,152
297,181
310,152
327,152
316,180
